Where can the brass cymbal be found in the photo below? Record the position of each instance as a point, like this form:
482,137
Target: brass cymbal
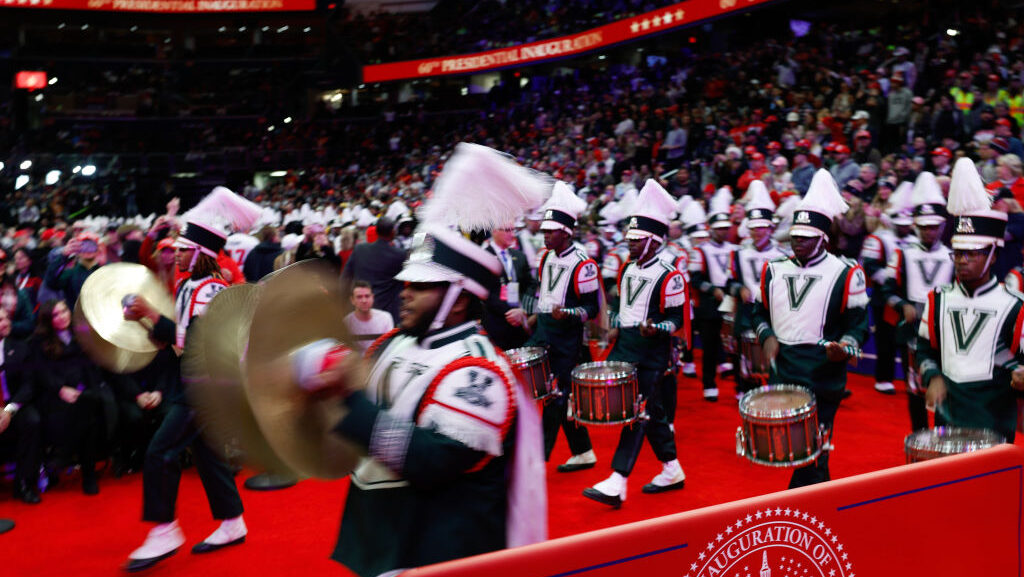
298,305
211,367
111,341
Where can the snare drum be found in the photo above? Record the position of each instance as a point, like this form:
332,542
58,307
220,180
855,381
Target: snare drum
752,359
780,426
728,338
605,393
945,441
532,365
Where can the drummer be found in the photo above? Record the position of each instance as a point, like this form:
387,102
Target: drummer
749,261
567,298
811,315
652,295
969,339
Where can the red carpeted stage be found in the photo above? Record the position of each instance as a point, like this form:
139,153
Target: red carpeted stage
292,531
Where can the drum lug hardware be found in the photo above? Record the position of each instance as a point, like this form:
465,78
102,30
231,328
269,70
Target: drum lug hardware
741,443
640,409
825,438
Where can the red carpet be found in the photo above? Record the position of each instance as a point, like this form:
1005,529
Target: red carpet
292,531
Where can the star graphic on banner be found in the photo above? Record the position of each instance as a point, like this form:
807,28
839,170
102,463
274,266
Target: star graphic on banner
778,511
821,525
783,559
840,547
787,511
814,520
679,14
834,538
804,516
701,556
728,529
828,531
719,538
845,556
831,572
849,566
666,18
757,514
646,24
711,546
693,567
634,27
749,518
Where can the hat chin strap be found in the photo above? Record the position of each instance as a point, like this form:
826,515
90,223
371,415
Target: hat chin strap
988,260
195,257
453,292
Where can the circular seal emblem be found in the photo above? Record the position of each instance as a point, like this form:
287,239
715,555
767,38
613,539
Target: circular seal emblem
773,543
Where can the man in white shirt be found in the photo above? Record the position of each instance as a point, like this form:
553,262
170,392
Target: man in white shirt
366,323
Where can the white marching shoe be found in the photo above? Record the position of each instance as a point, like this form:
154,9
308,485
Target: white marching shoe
230,532
711,394
161,542
611,491
670,478
578,462
885,388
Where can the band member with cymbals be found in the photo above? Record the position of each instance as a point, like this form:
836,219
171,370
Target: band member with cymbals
651,300
811,316
969,346
454,443
197,248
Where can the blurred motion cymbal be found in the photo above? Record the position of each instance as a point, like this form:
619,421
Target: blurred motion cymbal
298,305
112,342
211,367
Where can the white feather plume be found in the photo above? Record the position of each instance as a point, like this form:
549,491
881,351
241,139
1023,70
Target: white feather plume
927,190
967,194
721,201
758,197
224,209
693,213
564,199
681,205
611,213
481,189
654,202
901,200
823,196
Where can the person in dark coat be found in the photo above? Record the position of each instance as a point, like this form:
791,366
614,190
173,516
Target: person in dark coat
377,263
19,418
260,261
516,281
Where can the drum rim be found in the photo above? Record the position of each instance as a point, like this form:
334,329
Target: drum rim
746,412
538,352
915,442
622,372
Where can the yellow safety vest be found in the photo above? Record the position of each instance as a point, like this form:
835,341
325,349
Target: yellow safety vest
964,99
1016,104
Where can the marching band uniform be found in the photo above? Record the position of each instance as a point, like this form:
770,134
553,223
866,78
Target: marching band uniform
651,292
877,250
970,337
571,281
695,227
810,306
710,271
748,262
454,465
914,271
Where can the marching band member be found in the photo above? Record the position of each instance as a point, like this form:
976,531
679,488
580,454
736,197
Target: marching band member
197,250
454,465
710,271
969,350
914,271
651,300
567,298
695,229
812,317
749,261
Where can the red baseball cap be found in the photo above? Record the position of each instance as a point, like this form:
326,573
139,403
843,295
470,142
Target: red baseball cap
993,78
750,150
841,149
774,145
803,143
862,134
1003,122
757,156
942,151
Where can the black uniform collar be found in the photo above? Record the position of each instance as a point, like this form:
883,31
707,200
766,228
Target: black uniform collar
983,289
448,335
654,258
814,261
566,252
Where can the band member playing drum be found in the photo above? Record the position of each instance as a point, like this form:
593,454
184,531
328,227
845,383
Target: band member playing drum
652,295
748,262
454,466
913,273
567,298
812,317
969,349
710,271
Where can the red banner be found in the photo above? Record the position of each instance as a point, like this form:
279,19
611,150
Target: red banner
30,80
168,6
948,517
655,22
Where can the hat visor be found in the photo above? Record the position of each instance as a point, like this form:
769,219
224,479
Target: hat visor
426,272
805,231
759,223
638,234
903,221
552,225
722,224
973,242
929,220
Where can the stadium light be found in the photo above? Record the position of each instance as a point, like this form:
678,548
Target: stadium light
39,98
952,32
52,177
287,119
52,81
242,28
76,169
21,181
88,170
271,128
2,166
278,173
26,164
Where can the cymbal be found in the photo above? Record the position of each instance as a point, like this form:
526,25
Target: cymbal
211,367
111,341
298,305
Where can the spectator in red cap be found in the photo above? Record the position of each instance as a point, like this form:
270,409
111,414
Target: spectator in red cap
803,169
1009,175
942,159
845,169
1004,129
863,151
757,171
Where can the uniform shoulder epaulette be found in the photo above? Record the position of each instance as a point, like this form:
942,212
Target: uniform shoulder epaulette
1013,292
780,259
666,266
849,261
